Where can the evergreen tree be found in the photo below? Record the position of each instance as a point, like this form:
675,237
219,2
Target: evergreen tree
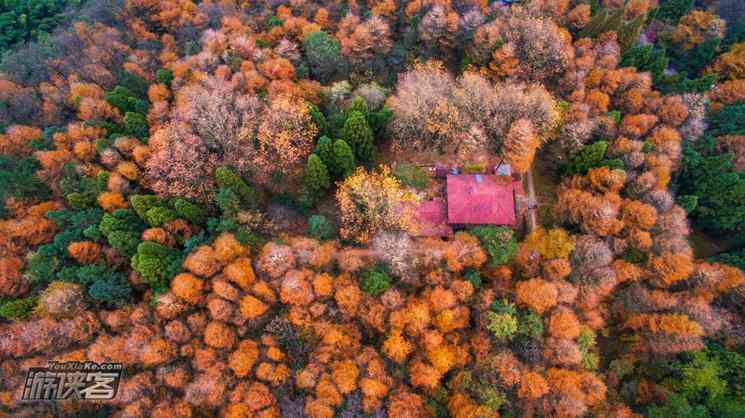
344,161
164,76
682,85
122,228
729,120
228,202
735,258
156,263
190,211
159,216
113,292
735,33
319,120
227,179
672,10
141,203
379,120
137,85
589,157
125,100
646,58
18,179
135,124
316,177
30,20
325,150
595,26
323,53
629,34
358,135
695,60
358,105
720,192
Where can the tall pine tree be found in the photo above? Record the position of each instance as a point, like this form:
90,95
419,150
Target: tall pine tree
325,150
359,136
343,159
316,177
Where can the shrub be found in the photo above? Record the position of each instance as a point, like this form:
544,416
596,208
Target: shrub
502,325
411,175
530,324
320,228
18,309
473,277
375,281
498,241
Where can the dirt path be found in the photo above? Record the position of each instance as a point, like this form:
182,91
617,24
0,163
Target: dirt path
532,203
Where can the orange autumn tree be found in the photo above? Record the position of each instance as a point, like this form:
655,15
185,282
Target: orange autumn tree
265,323
520,145
371,202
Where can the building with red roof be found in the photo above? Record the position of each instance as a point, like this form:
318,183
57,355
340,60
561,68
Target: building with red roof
472,199
432,217
478,199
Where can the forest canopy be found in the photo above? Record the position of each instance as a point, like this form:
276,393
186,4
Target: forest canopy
257,207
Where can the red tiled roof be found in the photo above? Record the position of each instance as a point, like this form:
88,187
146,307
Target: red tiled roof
432,219
479,199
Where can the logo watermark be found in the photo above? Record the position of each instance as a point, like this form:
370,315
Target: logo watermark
82,380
